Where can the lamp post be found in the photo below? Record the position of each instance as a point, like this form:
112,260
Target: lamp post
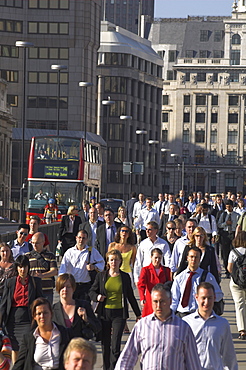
165,151
85,85
58,68
24,45
107,103
153,142
175,156
218,173
126,118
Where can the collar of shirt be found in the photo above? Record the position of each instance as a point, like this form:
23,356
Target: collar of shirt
169,318
197,315
55,332
20,245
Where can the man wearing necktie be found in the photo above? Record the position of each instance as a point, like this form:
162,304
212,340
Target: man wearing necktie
185,285
227,224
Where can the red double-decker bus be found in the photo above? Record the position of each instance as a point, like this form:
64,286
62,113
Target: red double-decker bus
61,168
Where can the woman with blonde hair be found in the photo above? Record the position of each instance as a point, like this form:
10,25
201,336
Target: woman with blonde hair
209,259
69,228
121,217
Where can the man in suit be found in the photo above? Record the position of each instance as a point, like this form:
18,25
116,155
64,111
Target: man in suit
84,213
129,207
160,204
106,232
182,196
165,218
69,229
91,226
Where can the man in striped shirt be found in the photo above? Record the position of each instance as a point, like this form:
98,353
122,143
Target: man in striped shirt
43,265
161,338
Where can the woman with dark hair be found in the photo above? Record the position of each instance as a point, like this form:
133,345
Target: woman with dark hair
18,294
209,259
238,294
43,347
74,313
112,290
7,266
150,276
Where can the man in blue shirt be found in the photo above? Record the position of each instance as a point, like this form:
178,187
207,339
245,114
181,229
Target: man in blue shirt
19,245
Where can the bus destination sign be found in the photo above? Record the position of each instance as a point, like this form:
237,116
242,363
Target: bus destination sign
56,171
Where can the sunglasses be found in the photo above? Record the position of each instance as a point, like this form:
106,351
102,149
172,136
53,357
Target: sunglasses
22,233
171,228
124,231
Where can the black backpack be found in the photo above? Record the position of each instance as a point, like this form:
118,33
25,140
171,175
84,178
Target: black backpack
239,269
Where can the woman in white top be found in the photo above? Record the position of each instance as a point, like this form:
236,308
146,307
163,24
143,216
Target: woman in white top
238,294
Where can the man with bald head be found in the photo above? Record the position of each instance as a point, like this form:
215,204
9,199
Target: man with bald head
43,265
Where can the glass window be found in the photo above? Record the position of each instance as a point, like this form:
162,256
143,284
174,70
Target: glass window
43,53
165,99
201,99
33,53
200,117
189,53
186,99
42,102
218,35
164,117
203,54
234,76
43,4
12,100
213,156
200,136
32,77
199,156
214,117
115,155
64,4
116,131
63,53
204,35
172,55
232,137
164,136
218,54
54,4
233,100
53,28
33,4
236,39
14,52
63,103
231,157
43,77
43,27
232,117
235,57
32,101
53,78
64,78
186,117
54,52
170,75
9,26
52,102
213,138
63,28
201,76
5,51
18,27
214,99
186,136
32,27
2,25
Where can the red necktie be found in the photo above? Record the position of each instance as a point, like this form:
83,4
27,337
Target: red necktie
186,295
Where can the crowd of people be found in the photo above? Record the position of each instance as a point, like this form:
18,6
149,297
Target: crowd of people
169,251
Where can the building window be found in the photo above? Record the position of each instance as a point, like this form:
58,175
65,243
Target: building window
235,57
48,28
50,125
201,76
218,36
233,100
164,136
189,53
117,131
165,99
213,156
171,75
12,100
236,40
161,53
164,117
48,4
46,102
215,100
186,136
214,117
232,117
230,180
200,136
47,77
200,117
115,85
232,137
115,177
199,156
231,157
244,137
213,138
10,26
185,156
204,35
9,51
12,3
218,54
186,118
203,53
48,53
172,55
115,155
9,76
186,99
117,109
234,76
117,59
187,76
200,99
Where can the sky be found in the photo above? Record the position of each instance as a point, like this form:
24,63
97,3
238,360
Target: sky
183,8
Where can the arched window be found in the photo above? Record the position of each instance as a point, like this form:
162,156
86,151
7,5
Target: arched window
236,39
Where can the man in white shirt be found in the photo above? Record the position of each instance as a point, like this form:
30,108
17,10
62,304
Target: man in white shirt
91,226
212,332
208,222
159,205
185,285
138,206
78,261
180,244
143,257
146,215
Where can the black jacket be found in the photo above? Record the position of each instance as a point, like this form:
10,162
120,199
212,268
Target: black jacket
86,226
64,226
34,291
25,359
98,287
164,220
101,241
78,324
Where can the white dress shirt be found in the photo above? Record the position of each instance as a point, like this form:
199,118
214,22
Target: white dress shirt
93,227
74,262
204,222
214,341
178,288
143,257
137,208
145,216
177,252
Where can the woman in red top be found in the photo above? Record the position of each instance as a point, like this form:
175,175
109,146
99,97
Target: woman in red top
150,276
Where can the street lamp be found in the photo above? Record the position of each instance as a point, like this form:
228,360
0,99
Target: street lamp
165,151
24,45
218,173
141,132
175,156
107,103
58,68
153,142
125,118
85,85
